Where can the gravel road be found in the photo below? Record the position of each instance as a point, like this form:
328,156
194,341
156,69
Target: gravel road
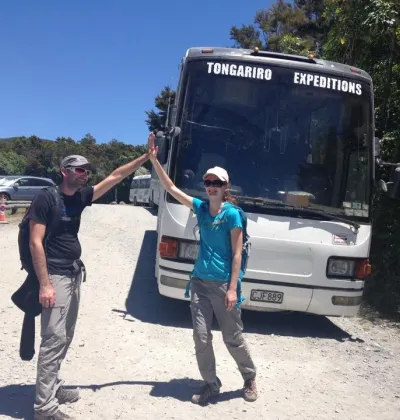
133,355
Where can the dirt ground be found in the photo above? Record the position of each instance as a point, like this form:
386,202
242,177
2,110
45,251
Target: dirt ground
133,356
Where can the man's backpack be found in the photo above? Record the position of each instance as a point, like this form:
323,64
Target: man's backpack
24,232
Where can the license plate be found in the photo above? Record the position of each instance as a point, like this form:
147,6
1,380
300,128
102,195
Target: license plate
266,296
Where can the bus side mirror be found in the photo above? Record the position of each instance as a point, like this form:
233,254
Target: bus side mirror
163,142
392,188
394,184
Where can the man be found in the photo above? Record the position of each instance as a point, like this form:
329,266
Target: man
60,273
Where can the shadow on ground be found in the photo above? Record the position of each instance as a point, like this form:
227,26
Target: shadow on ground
16,401
152,210
147,305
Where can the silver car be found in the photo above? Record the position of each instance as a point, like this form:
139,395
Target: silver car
22,187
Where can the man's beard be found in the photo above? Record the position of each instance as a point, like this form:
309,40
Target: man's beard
75,184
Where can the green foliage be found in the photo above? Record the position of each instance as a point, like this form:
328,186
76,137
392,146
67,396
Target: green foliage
12,163
37,157
295,45
297,28
157,120
246,37
383,286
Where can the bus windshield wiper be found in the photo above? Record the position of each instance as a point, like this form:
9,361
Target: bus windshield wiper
328,215
272,204
210,126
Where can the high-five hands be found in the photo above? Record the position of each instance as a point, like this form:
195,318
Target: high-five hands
151,148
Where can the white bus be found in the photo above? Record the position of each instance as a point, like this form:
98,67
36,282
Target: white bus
296,135
140,190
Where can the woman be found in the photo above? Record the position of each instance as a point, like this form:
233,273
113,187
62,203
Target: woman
215,278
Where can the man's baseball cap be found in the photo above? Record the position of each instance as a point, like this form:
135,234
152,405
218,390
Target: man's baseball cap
218,172
75,161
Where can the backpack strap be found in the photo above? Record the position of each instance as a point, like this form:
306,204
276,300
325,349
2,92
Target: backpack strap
203,208
23,235
245,251
56,213
55,203
55,208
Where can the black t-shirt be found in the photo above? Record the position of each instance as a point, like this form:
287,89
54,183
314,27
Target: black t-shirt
63,243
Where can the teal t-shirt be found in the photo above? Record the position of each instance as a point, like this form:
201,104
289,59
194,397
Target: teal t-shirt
214,260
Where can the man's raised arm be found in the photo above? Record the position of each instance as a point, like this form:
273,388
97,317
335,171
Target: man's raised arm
117,176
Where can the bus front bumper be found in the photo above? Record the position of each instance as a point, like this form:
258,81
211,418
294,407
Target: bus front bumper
266,296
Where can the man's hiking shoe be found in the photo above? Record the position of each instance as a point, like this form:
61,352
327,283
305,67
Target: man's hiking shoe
206,392
250,390
67,396
58,415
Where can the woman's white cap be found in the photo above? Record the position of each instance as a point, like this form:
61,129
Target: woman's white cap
218,172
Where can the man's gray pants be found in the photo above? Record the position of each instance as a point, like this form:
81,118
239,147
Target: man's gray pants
57,330
208,298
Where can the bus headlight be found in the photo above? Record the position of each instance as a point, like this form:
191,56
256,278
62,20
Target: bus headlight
188,250
338,267
346,300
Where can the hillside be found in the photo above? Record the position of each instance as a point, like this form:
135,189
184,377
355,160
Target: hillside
11,139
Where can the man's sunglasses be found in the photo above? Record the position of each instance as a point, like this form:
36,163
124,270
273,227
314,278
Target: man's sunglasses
80,171
216,183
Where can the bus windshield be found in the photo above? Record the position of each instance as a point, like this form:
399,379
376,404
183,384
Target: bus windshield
277,132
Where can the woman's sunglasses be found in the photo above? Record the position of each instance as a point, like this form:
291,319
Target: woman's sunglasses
80,171
216,183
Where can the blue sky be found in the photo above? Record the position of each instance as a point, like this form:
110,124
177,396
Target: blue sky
73,67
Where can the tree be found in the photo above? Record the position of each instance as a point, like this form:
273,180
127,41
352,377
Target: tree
157,120
248,36
383,19
316,25
12,163
298,28
88,140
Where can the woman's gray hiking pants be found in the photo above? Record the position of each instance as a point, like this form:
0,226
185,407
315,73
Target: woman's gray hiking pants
208,298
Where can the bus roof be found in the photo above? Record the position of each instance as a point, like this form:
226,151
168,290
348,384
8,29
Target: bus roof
260,56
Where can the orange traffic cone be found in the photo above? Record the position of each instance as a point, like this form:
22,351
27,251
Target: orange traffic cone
3,219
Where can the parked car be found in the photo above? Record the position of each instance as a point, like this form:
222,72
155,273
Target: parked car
4,178
22,187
